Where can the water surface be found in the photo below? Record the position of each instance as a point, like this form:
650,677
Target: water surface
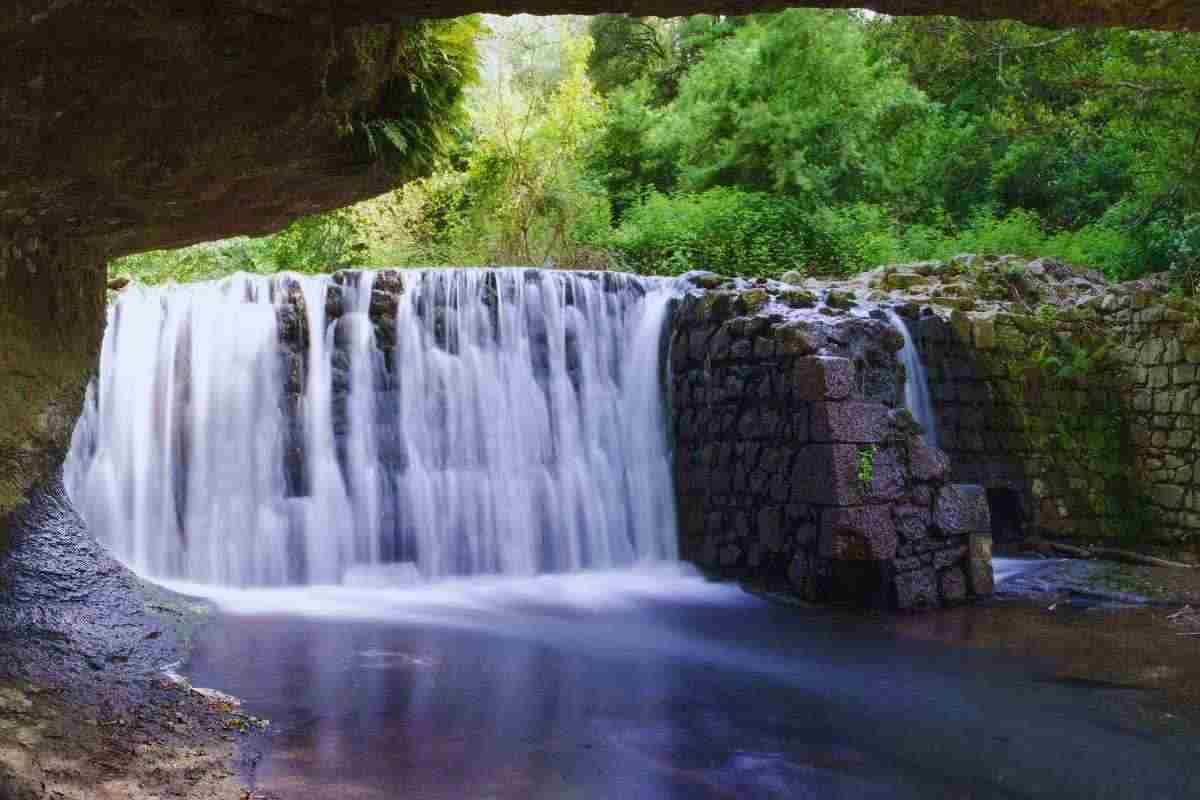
657,684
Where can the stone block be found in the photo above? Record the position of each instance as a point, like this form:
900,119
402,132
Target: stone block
911,521
861,533
803,575
927,463
794,339
850,422
1168,496
954,585
770,528
1151,352
949,556
1180,439
985,333
916,590
805,534
961,509
828,475
760,423
979,566
823,378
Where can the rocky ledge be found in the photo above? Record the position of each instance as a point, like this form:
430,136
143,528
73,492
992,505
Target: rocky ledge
88,705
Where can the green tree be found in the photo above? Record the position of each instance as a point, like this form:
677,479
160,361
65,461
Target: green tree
789,104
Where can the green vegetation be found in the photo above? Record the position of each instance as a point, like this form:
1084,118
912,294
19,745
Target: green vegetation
866,466
817,141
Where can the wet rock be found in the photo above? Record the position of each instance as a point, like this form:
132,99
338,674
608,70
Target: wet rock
863,533
927,463
911,521
841,300
917,590
961,509
798,298
954,585
823,377
850,422
979,565
705,280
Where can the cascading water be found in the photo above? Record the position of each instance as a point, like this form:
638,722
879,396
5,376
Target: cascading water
513,423
916,382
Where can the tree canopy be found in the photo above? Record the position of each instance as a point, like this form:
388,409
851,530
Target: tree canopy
805,139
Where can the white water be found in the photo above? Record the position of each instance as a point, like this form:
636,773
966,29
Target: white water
916,382
522,431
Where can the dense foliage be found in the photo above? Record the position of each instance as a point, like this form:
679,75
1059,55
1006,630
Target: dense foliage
803,140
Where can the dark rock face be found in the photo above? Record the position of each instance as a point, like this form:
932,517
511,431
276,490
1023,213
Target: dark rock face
797,467
51,323
69,612
145,125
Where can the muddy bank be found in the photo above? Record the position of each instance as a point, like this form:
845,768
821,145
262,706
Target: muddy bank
85,708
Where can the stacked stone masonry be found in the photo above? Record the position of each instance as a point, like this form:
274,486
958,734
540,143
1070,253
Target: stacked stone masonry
796,466
1074,402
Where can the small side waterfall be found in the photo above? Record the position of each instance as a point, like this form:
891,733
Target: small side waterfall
916,383
302,430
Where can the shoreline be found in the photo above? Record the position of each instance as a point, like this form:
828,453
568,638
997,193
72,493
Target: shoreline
86,708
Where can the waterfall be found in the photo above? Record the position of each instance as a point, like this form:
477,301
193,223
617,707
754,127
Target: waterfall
916,382
441,423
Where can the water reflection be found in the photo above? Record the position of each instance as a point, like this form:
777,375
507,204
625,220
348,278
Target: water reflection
713,695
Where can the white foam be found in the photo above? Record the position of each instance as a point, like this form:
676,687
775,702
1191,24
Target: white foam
581,592
1005,568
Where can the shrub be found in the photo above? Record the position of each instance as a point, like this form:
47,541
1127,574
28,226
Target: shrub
723,230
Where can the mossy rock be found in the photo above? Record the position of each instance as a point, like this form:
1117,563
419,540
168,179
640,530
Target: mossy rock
903,280
839,299
715,306
797,298
707,280
957,303
752,301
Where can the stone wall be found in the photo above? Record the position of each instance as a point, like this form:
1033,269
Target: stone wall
1074,402
797,469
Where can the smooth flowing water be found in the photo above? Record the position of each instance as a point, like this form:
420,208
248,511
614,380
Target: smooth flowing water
520,429
653,683
916,382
